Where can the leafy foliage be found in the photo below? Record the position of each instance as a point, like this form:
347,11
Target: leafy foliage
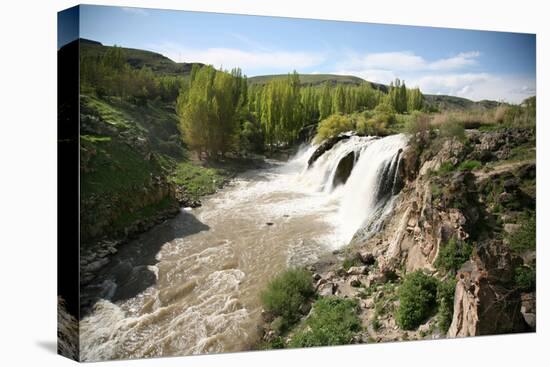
453,254
525,238
445,304
332,126
209,110
525,278
286,293
334,321
417,299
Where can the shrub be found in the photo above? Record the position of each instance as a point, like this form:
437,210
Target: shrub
452,255
417,300
285,295
332,126
525,238
452,129
525,278
446,167
445,304
334,321
469,165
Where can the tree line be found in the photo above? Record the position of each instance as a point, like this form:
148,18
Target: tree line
220,113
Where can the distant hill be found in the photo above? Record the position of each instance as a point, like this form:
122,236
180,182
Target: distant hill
138,58
443,102
317,79
162,65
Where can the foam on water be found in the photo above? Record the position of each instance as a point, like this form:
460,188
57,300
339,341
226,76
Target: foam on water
204,297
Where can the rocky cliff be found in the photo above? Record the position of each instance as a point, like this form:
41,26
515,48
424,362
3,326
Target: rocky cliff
465,217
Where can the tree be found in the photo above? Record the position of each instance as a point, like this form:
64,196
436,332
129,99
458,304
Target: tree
415,100
325,102
210,110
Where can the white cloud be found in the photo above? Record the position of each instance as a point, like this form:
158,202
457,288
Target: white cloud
135,11
406,61
372,75
248,61
477,86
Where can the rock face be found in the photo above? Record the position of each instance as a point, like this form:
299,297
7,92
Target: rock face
326,145
485,303
344,168
480,207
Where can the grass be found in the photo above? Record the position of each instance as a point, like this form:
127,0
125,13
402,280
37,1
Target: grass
524,239
106,112
115,167
469,165
334,321
197,180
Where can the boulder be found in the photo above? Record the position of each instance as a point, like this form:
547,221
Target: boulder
485,300
327,289
357,270
343,170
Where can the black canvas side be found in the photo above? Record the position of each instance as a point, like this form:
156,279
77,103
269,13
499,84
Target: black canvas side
68,182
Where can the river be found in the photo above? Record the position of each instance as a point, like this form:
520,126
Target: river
191,285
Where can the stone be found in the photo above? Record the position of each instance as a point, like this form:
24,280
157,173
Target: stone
343,170
367,303
325,146
366,257
511,227
320,282
357,270
483,284
327,289
354,281
316,276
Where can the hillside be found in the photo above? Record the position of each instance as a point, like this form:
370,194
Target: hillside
315,79
138,58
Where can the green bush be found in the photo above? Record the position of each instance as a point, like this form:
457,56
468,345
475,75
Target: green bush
452,255
525,278
285,295
334,321
526,237
445,304
332,126
417,300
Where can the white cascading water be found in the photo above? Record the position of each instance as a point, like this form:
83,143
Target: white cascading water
366,197
191,285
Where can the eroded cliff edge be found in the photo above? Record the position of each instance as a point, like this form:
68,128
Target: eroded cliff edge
465,217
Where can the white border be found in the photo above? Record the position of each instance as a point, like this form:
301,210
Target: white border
28,181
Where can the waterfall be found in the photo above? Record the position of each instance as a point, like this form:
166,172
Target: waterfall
368,194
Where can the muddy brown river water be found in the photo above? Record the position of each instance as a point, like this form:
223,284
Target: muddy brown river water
191,285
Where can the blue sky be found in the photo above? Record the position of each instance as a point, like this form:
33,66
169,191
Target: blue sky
472,64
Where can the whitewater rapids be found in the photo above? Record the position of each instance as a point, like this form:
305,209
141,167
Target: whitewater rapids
191,285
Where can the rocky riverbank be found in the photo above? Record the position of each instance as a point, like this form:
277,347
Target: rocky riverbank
465,218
